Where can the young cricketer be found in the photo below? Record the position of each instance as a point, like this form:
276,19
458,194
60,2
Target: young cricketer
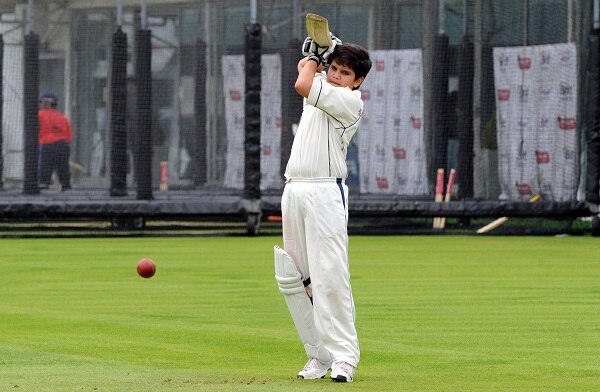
313,271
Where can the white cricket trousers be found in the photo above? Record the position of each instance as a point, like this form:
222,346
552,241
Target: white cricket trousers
315,219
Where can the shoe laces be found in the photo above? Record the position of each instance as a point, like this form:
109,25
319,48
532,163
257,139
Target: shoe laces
346,368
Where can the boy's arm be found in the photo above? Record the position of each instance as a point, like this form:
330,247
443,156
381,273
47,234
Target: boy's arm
306,73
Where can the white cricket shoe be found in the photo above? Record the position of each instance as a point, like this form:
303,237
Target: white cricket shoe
314,369
342,372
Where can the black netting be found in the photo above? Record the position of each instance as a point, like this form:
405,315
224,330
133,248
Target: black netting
181,99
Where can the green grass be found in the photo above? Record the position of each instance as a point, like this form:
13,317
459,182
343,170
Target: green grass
435,313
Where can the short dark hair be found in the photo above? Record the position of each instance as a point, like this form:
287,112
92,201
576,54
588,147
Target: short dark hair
353,56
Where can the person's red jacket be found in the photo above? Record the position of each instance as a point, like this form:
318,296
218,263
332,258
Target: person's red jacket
54,127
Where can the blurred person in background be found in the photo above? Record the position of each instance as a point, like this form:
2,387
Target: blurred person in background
54,140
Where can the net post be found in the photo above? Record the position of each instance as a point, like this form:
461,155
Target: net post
118,120
1,111
252,126
199,156
30,104
143,140
439,102
466,59
592,114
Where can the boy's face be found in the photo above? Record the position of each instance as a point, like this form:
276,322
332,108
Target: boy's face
343,76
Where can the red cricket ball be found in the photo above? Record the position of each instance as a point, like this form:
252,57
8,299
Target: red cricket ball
146,268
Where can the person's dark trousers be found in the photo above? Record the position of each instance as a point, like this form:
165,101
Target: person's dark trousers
55,156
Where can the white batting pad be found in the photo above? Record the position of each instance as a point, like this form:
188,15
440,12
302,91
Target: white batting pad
291,286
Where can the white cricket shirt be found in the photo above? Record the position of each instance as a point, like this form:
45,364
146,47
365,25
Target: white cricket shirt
329,120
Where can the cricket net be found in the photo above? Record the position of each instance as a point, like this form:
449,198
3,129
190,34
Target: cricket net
186,110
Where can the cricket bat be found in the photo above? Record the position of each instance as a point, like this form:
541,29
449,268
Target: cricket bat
500,221
317,28
439,195
491,226
449,186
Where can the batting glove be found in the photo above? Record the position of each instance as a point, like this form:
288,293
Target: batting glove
335,39
308,47
327,53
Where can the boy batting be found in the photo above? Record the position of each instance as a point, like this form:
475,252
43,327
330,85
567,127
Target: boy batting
312,270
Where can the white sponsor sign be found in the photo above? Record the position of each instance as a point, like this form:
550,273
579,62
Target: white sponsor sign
391,136
536,121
